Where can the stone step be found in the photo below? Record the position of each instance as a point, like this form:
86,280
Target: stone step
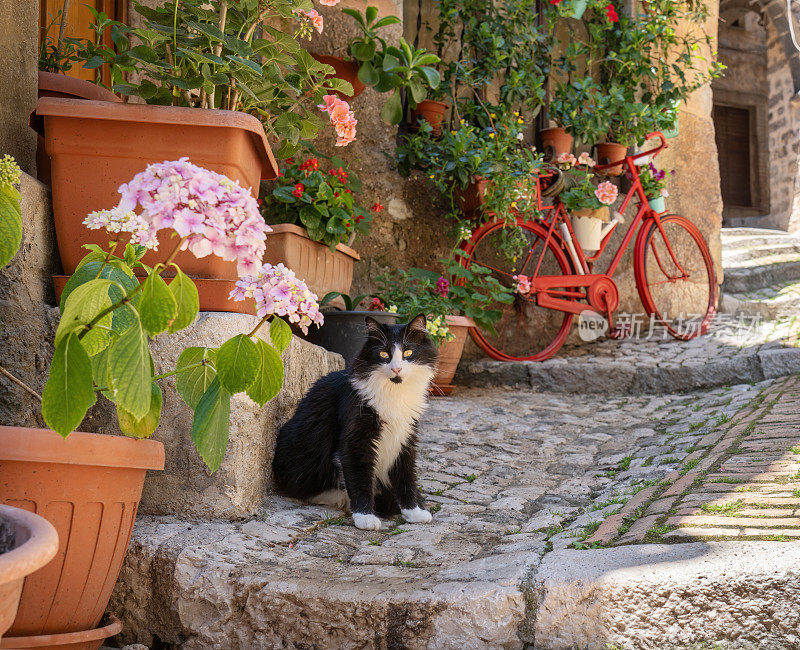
761,272
593,374
637,596
733,254
742,237
772,303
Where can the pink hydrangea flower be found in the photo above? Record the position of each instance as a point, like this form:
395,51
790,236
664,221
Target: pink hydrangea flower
523,284
278,291
606,192
342,118
311,16
214,214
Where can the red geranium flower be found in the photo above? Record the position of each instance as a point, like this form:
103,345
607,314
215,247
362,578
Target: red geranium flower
611,13
377,207
346,224
376,305
554,2
290,161
298,190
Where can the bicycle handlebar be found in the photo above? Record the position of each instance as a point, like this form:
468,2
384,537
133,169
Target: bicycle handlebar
650,152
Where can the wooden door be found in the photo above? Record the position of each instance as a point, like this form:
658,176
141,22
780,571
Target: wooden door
78,20
732,127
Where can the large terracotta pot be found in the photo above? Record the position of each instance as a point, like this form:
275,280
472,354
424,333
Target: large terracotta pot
471,198
432,112
88,486
450,354
27,543
555,141
94,147
346,70
609,152
60,85
322,269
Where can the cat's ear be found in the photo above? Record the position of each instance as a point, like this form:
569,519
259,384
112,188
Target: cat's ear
417,324
374,328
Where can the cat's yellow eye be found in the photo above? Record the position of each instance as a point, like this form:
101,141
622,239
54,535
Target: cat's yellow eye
384,354
408,353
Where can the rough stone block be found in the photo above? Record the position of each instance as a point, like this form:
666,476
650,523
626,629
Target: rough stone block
239,486
779,362
26,312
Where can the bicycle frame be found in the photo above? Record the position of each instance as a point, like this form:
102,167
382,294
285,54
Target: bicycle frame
559,291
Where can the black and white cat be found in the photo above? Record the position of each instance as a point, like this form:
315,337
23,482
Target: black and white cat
353,437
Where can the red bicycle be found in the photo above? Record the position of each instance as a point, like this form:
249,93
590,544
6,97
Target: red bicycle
673,271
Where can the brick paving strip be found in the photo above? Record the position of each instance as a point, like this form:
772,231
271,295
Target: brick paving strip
741,481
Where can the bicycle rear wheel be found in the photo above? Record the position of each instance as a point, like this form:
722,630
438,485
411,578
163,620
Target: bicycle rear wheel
683,297
525,332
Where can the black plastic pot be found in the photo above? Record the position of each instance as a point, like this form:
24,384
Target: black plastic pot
345,331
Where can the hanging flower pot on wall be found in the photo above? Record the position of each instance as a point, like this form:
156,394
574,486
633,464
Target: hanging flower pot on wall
345,70
472,197
432,111
555,141
609,152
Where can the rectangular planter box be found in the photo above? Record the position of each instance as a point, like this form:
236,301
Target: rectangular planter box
96,146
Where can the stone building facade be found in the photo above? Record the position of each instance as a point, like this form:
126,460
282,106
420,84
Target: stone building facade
756,115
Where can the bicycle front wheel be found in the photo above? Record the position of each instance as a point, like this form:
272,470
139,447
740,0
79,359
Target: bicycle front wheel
525,331
675,276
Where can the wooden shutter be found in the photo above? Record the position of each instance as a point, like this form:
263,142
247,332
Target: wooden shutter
732,127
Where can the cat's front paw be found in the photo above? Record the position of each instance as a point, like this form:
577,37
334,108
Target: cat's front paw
366,522
417,516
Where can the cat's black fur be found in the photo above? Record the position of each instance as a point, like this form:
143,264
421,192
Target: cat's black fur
331,441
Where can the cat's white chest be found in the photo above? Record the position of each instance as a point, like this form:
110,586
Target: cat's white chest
387,448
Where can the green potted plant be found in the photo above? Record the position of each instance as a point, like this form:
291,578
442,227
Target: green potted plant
344,330
451,307
315,219
587,201
108,315
654,184
213,77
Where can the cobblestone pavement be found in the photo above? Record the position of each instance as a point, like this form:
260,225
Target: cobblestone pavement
510,476
742,480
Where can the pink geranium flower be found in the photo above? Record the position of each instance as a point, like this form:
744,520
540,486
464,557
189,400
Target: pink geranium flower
523,284
342,118
212,213
606,192
586,159
329,3
312,17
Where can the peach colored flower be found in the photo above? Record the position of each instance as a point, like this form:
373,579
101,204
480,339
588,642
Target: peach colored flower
606,192
566,159
585,159
329,3
311,16
342,118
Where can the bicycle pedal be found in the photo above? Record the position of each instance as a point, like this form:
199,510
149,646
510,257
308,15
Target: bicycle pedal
620,332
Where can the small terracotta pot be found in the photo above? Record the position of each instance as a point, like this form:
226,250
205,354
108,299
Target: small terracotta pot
94,147
27,543
322,269
609,152
60,85
432,112
346,70
450,354
555,141
88,486
471,198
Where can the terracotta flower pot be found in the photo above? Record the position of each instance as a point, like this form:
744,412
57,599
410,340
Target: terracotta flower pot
609,152
471,198
27,543
322,269
450,354
88,486
60,85
555,141
432,112
96,146
346,70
